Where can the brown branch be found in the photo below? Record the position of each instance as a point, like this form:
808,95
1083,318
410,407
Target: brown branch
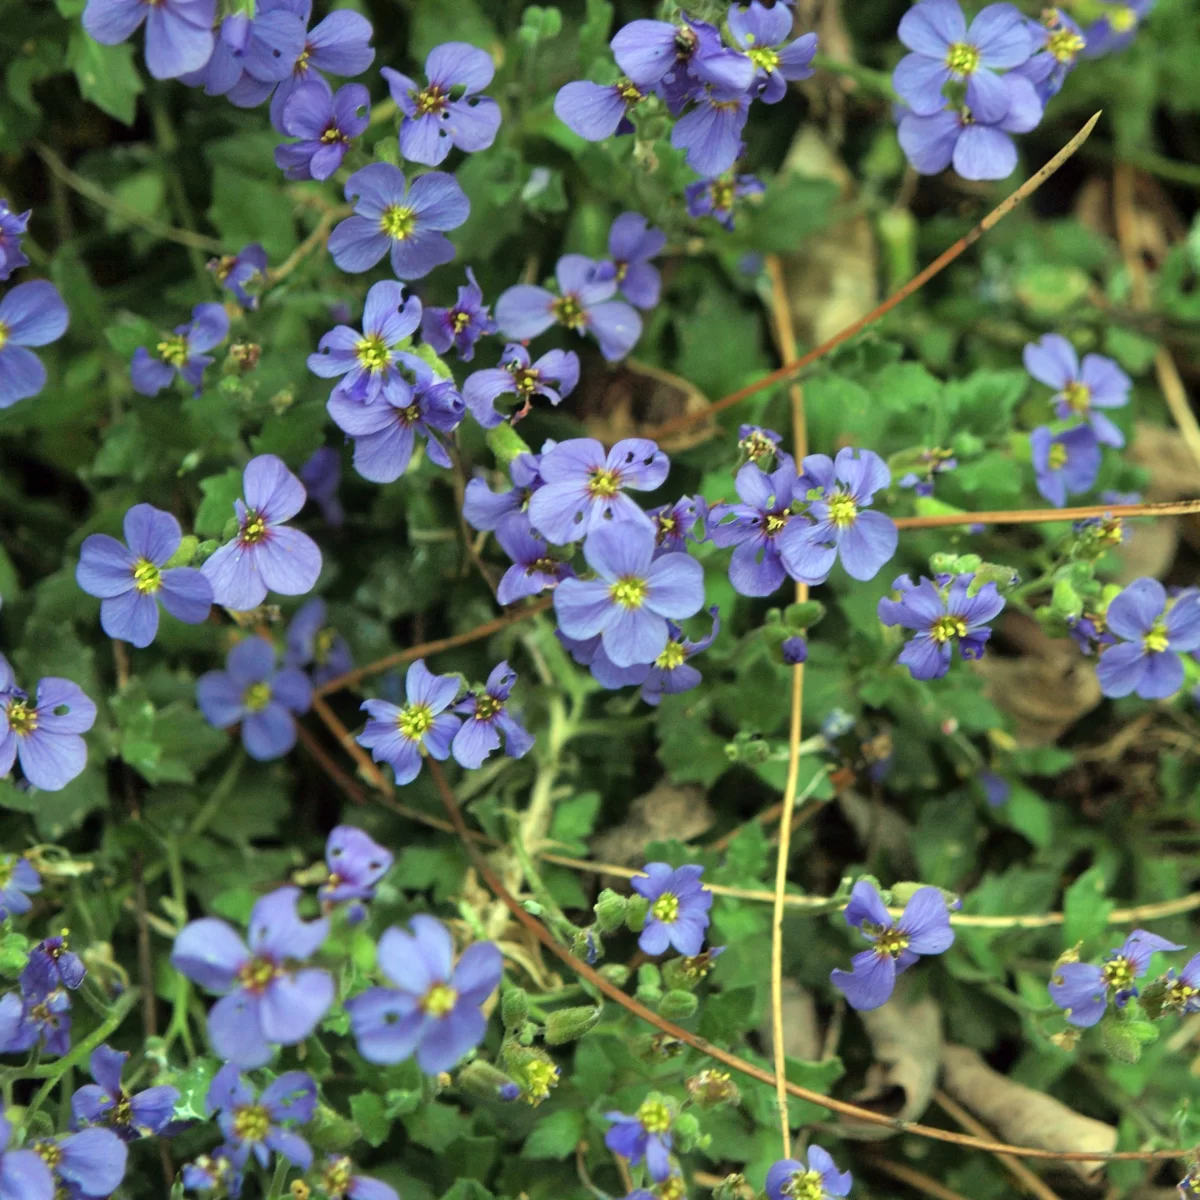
917,1180
1035,516
345,739
318,237
918,281
614,993
325,761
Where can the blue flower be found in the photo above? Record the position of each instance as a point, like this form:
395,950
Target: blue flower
250,54
45,736
132,580
1155,630
399,736
236,272
646,1135
38,1015
761,33
679,907
31,314
257,1124
356,864
86,1164
933,462
818,1179
755,527
52,964
12,230
534,568
23,1173
326,123
675,524
996,788
671,673
596,111
1060,42
554,376
1083,990
340,1182
311,640
631,246
1064,463
254,691
794,650
181,353
1117,28
923,929
717,197
18,881
711,133
484,509
461,325
1080,390
485,718
179,34
214,1172
105,1102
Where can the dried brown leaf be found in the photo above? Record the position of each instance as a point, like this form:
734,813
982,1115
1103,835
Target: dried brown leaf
801,1026
668,811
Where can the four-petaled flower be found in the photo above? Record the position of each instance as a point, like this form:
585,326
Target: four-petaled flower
432,1009
761,33
461,325
1080,389
262,50
1155,630
816,1179
554,376
31,314
1083,990
755,527
943,614
18,881
12,230
631,246
675,524
105,1102
310,639
256,1123
1181,989
265,554
596,111
1116,28
45,736
534,568
267,998
398,736
90,1163
356,864
181,353
645,1135
132,579
485,717
392,217
717,197
236,271
679,904
326,123
923,929
671,673
262,696
447,111
179,35
484,509
1060,42
23,1173
711,133
36,1016
1064,463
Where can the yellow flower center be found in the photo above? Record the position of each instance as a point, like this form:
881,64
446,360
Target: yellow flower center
891,941
431,100
775,522
123,1112
257,696
222,266
666,908
301,67
414,721
398,222
486,707
337,1175
333,134
257,974
1157,639
673,1189
147,578
569,312
1064,45
440,1000
805,1185
603,483
540,1077
1178,994
1078,396
654,1116
962,58
1118,973
254,529
1111,529
673,656
3,335
299,1190
629,592
373,352
947,627
764,58
250,1124
842,510
629,93
50,1153
722,193
1122,19
459,320
323,644
526,379
547,566
22,719
173,350
1057,458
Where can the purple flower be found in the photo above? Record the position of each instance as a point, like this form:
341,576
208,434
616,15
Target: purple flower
1064,463
756,568
399,736
679,907
762,446
794,650
256,1124
265,554
1090,633
631,246
819,1178
339,1182
923,929
311,640
534,568
235,271
1116,30
711,133
679,58
260,50
1182,993
485,718
369,359
761,33
1079,391
554,376
1156,630
105,1102
326,124
88,1164
12,230
1189,1185
1060,43
589,652
447,111
31,314
844,527
392,217
943,616
944,49
635,594
252,691
996,789
181,353
460,326
582,488
717,197
267,998
36,1016
213,1172
356,864
596,111
23,1174
675,523
322,476
433,1007
18,881
45,736
585,305
670,673
52,964
179,34
484,509
385,431
978,148
132,582
1083,990
646,1135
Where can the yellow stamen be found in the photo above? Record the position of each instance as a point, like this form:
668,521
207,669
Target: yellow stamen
440,1000
666,908
764,58
569,312
1157,639
673,656
257,974
1077,396
1065,45
459,320
373,352
147,578
254,529
486,707
398,222
654,1116
250,1124
947,627
257,696
629,592
775,522
891,941
3,335
805,1185
173,350
603,483
1122,19
414,721
1118,973
1057,458
22,719
431,100
335,1179
842,510
962,58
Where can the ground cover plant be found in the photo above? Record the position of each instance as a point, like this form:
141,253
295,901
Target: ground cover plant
599,600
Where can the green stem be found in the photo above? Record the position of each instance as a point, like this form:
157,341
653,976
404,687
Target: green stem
878,82
220,794
277,1180
178,1026
168,145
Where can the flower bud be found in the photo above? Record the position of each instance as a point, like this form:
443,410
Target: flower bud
794,651
610,910
733,1187
1067,1039
617,973
1120,1039
686,1132
635,913
803,614
506,443
482,1079
514,1007
678,1006
569,1024
711,1088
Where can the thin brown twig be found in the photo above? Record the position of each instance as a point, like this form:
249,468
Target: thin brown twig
614,993
917,1180
345,739
318,237
1035,516
325,761
918,281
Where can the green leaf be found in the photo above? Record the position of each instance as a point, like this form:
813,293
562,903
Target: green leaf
556,1135
727,1015
1029,815
368,1112
575,819
1086,907
246,210
220,491
106,75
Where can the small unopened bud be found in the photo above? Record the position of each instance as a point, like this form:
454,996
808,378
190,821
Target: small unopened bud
943,563
514,1007
1121,1039
610,910
484,1080
186,552
678,1006
804,614
710,1088
635,913
569,1024
733,1187
245,355
506,443
950,726
794,651
686,1132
